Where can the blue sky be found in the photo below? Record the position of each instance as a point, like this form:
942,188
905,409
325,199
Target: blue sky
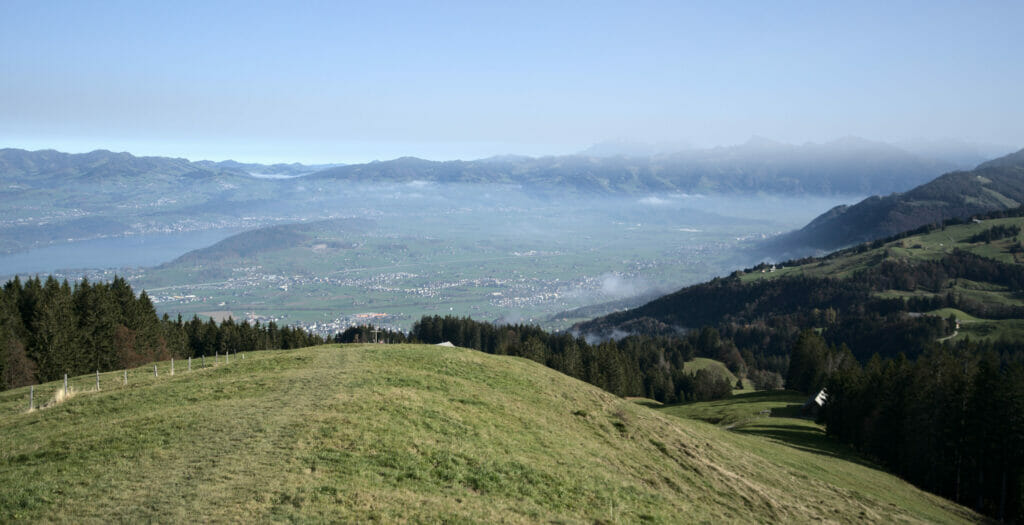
350,82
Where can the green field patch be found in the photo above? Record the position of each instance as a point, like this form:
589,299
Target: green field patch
741,408
703,363
993,330
960,315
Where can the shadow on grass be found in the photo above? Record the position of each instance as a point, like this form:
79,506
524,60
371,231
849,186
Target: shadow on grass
804,437
793,411
766,395
759,396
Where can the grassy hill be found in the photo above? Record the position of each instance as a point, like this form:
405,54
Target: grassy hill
316,236
407,433
718,367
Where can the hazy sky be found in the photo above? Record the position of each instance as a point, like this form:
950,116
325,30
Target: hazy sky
348,81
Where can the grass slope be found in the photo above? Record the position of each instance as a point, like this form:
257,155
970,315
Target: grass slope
407,433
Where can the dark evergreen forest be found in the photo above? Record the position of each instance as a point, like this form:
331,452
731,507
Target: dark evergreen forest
49,328
950,421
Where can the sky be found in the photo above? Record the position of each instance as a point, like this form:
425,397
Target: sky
320,82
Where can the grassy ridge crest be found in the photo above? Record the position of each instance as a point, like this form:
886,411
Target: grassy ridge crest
406,433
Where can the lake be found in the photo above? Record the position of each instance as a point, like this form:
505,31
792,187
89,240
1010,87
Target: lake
111,252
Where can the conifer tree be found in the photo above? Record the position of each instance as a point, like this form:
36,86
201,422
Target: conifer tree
54,345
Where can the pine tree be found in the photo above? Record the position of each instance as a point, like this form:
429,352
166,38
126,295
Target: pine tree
54,345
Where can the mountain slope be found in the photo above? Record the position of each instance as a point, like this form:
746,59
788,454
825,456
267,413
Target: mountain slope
994,185
876,294
408,433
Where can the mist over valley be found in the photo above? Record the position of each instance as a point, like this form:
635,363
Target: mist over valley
324,252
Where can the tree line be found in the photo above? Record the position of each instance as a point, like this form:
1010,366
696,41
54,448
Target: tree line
49,328
651,367
995,233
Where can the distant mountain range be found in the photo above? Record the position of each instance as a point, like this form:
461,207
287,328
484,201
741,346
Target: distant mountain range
848,166
49,166
993,185
293,169
50,197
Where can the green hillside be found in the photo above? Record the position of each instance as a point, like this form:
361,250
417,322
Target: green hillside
407,433
927,246
890,296
934,246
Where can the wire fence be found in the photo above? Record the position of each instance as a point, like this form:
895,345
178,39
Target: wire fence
46,395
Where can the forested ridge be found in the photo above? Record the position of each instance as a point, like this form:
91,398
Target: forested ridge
49,328
765,316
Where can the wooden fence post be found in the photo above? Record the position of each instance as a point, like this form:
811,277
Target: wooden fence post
189,363
172,366
125,377
97,380
155,374
204,360
31,397
65,385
